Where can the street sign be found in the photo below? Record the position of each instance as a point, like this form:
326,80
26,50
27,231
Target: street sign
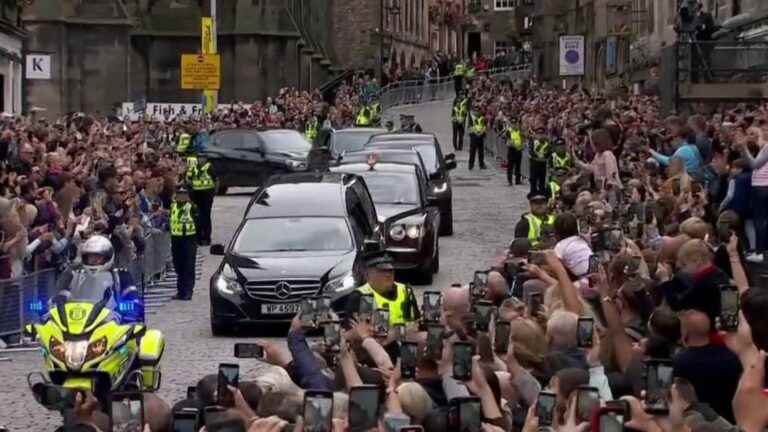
200,71
38,66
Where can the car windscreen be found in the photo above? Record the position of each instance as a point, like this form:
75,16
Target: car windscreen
392,188
293,234
235,139
284,142
429,156
349,141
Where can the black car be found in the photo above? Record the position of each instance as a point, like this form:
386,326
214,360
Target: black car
246,157
407,156
438,167
332,144
302,235
398,188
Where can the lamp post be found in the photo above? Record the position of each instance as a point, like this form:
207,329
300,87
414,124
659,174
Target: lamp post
393,10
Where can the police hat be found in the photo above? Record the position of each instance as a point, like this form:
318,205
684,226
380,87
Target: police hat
560,172
380,260
181,189
536,196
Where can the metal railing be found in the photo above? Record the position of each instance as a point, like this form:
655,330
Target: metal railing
496,147
439,89
23,300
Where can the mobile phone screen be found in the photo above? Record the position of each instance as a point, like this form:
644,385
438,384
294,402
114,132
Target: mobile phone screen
431,306
481,279
318,411
332,336
585,332
364,408
545,408
308,312
324,307
191,392
658,381
729,315
587,401
470,415
127,412
483,312
248,350
229,375
435,334
408,357
381,322
502,332
611,422
398,331
366,305
534,303
462,361
185,421
594,264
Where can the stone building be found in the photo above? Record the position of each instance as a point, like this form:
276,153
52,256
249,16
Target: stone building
495,26
11,62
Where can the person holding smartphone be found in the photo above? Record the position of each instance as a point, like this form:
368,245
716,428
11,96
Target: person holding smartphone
387,293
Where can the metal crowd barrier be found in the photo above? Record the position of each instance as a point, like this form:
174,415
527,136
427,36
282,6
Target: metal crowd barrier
496,147
24,299
439,89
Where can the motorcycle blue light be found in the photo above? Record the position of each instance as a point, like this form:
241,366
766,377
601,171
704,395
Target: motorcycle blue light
36,306
126,307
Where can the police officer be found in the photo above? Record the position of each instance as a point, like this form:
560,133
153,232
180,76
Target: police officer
458,77
459,120
203,183
559,175
376,113
387,293
364,117
539,153
408,124
183,142
183,242
561,160
310,129
477,130
533,225
514,152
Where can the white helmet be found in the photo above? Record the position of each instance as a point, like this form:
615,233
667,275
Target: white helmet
97,254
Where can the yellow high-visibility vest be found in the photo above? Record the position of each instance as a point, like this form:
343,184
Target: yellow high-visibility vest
515,138
396,307
540,149
363,117
200,177
459,70
181,221
478,124
310,130
534,227
459,113
561,162
184,141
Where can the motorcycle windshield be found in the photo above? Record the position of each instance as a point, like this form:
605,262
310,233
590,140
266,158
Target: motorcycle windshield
91,288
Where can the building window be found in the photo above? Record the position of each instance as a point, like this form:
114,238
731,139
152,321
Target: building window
502,47
505,4
527,22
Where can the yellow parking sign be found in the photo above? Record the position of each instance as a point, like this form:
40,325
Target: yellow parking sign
200,71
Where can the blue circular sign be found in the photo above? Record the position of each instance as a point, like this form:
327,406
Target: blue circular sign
572,56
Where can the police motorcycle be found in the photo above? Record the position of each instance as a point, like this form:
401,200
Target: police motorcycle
93,336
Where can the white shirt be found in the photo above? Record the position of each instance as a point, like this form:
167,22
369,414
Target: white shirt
574,251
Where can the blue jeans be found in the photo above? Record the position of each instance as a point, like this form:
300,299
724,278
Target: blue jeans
760,212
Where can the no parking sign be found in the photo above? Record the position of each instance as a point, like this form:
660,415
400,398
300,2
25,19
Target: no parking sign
571,55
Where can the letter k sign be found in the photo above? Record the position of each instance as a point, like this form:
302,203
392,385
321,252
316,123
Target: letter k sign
38,66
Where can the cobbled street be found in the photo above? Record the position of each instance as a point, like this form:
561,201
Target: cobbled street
485,211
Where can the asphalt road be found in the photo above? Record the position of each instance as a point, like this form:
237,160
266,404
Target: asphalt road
485,212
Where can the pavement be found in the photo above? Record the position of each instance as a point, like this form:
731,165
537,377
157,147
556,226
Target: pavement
485,212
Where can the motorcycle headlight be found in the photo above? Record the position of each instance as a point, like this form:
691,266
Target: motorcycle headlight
96,349
57,350
76,352
413,231
397,233
226,282
342,283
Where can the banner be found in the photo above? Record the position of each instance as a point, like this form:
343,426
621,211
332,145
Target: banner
571,55
611,47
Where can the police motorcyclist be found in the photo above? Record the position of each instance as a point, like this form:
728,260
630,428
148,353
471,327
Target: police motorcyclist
96,275
387,293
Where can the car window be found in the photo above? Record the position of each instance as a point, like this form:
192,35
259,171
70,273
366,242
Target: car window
236,140
349,141
429,156
293,235
392,188
364,197
286,142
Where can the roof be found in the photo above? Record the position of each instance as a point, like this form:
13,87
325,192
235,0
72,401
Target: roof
300,195
404,144
396,155
382,167
360,130
403,137
279,132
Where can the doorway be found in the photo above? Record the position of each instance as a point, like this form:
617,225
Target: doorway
474,44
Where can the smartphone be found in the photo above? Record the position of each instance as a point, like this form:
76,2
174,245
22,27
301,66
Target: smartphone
587,401
611,420
249,350
729,312
534,303
462,360
381,322
658,380
502,332
309,313
430,307
366,306
192,392
483,314
324,308
545,408
229,375
212,415
536,257
318,411
594,264
411,428
597,242
435,334
465,414
126,412
186,420
480,279
409,353
332,336
364,403
585,332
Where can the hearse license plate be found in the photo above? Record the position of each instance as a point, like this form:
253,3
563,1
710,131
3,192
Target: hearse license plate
280,309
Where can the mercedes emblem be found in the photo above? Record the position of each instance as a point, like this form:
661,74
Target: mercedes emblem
282,290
